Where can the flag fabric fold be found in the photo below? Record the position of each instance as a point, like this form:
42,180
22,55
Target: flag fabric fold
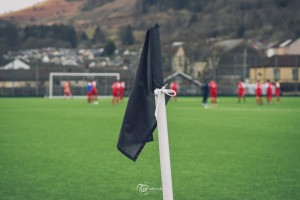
139,120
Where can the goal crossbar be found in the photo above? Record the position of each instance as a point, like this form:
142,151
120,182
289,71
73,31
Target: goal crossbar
52,74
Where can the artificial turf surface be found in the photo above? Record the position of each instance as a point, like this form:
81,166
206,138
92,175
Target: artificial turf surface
66,149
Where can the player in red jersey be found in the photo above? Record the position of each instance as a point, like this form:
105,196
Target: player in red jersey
258,93
174,86
115,92
122,88
94,93
213,92
241,91
277,91
269,92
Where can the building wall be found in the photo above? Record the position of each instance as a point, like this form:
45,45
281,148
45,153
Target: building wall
281,51
178,63
252,74
199,68
285,74
261,74
294,48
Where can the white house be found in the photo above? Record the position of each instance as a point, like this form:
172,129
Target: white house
16,64
287,47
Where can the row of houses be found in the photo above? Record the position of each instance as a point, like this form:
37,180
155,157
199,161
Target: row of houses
87,58
232,60
229,61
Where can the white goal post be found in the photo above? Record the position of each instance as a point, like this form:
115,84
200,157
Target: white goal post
71,74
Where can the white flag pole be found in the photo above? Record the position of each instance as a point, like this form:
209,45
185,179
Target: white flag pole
164,152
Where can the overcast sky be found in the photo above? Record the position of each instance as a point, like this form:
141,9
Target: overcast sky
13,5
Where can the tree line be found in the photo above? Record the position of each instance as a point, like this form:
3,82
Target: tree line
13,37
145,6
37,36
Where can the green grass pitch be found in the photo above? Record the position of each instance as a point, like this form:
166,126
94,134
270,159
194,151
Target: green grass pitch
66,149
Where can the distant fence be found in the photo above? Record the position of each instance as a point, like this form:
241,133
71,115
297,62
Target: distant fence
35,83
230,89
287,88
32,90
103,90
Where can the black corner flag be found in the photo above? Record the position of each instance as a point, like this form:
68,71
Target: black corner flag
139,120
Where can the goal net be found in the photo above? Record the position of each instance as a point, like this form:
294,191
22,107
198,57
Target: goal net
79,81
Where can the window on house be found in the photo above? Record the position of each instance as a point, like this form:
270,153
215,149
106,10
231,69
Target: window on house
276,74
295,74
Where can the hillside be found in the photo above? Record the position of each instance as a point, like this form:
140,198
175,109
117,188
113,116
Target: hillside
44,12
190,21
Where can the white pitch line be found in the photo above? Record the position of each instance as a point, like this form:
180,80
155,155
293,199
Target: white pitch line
254,109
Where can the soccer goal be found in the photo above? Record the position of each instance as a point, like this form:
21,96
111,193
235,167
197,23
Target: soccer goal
79,82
